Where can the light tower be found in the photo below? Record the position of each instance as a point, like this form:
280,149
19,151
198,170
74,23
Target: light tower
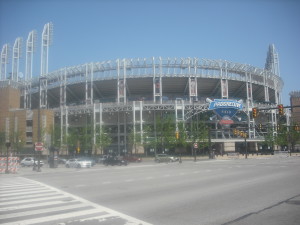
47,37
272,61
16,59
30,49
4,61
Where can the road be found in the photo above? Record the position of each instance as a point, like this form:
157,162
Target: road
212,192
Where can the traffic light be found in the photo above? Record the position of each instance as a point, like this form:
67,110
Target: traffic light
177,135
296,127
234,131
78,149
278,127
280,109
254,112
241,133
260,126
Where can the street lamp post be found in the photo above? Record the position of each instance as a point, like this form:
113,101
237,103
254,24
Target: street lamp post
7,147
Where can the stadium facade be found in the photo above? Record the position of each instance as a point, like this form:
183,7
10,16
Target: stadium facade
126,95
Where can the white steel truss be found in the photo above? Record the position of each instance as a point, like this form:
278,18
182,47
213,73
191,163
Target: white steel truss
4,61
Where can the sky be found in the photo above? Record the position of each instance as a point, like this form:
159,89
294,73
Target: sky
98,30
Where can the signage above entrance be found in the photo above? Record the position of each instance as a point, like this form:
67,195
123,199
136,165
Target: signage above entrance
225,108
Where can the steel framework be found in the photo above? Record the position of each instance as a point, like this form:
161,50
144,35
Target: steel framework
4,61
17,51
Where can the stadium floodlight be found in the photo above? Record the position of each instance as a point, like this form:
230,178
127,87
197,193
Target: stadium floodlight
16,58
4,61
47,39
30,49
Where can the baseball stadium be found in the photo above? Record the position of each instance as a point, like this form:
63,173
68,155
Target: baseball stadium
129,101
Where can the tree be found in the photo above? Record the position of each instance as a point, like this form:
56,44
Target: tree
166,132
55,136
181,141
17,141
134,139
282,136
102,138
269,138
201,135
293,136
2,141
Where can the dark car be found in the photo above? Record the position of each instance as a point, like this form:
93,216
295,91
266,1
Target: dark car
132,158
102,158
114,160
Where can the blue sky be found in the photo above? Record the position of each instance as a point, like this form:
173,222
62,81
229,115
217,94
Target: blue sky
91,31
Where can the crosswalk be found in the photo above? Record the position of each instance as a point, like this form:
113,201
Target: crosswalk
24,201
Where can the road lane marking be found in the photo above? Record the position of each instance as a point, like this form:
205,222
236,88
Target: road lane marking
63,207
40,211
26,206
25,195
53,217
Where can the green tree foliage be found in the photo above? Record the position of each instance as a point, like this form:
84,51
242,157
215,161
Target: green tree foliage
201,134
269,137
102,138
2,142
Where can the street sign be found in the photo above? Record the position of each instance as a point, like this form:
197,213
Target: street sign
195,145
39,146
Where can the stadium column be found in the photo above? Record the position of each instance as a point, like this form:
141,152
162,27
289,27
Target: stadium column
134,128
266,88
94,129
154,81
251,123
141,121
157,84
224,83
160,80
121,82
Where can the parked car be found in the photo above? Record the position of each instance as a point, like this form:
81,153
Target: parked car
61,161
30,161
132,158
165,158
93,162
78,163
114,160
102,158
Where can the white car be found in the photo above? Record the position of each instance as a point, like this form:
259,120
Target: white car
78,163
165,158
29,161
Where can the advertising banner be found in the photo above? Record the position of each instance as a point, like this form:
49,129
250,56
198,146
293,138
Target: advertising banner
225,109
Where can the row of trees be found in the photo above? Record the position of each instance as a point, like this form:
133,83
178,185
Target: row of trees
16,140
158,136
286,136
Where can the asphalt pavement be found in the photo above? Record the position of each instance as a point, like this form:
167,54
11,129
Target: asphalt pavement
238,191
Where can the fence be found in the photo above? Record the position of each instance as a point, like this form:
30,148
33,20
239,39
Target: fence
13,164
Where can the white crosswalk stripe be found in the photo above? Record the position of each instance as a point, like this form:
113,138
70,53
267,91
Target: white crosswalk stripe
24,201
